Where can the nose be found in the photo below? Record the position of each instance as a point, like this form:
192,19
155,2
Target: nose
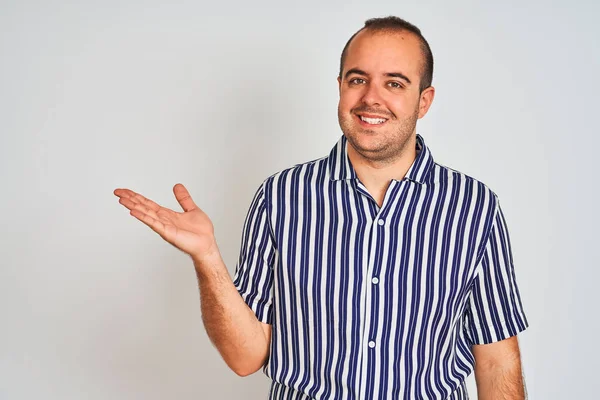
372,96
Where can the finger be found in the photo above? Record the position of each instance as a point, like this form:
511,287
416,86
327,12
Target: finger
138,198
132,205
147,202
184,198
153,223
123,192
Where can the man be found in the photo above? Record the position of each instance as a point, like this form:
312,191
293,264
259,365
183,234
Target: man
373,272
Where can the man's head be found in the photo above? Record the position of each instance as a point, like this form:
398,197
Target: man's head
393,24
385,86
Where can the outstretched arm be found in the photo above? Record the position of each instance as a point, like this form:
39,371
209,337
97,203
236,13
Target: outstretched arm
241,339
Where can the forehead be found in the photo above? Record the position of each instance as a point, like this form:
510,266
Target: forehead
383,52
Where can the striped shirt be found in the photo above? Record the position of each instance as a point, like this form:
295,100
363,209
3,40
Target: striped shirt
370,302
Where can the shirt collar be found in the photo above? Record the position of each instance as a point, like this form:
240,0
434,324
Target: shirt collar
340,167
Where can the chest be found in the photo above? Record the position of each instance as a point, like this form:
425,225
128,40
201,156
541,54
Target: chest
338,249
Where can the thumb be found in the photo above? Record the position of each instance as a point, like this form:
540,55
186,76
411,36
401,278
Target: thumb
183,198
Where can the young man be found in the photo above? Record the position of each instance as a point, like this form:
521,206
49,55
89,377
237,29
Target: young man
373,272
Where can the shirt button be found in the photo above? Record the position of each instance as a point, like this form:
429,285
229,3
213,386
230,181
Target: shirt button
375,280
371,344
381,222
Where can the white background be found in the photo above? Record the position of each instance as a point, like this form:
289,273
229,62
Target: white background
97,95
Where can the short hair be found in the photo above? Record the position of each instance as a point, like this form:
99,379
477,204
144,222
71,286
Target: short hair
396,24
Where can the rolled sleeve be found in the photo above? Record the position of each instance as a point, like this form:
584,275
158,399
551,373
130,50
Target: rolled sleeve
494,310
253,276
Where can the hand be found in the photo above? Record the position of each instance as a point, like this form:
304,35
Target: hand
190,231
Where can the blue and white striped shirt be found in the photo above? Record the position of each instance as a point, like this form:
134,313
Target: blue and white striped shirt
370,302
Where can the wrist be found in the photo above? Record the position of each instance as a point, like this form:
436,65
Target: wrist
210,254
209,263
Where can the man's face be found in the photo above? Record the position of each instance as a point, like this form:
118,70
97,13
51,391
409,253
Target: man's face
379,93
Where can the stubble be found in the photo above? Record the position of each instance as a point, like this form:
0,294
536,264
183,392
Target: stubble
382,146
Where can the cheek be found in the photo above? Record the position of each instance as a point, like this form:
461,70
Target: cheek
349,100
344,107
403,106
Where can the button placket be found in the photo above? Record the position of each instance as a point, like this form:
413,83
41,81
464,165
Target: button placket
372,306
369,329
375,295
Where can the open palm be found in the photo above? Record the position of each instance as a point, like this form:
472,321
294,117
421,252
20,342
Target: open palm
190,231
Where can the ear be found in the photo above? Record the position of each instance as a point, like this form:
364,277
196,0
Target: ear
339,85
425,101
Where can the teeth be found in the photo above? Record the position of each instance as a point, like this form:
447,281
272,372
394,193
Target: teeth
373,121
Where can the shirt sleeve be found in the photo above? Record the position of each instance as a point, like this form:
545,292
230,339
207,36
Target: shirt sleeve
494,311
253,276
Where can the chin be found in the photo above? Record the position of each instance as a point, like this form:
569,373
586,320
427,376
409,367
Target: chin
366,141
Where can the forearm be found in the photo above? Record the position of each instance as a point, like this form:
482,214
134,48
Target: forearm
500,382
229,322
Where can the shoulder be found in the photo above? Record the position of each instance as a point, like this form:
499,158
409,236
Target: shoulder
299,172
452,179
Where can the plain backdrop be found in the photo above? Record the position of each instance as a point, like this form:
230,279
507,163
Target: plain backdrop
96,95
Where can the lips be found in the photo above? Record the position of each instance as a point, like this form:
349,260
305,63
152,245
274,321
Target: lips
371,120
374,121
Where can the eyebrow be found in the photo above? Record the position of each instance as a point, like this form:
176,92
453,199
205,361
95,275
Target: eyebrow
363,73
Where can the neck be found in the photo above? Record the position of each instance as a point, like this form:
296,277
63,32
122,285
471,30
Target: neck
376,175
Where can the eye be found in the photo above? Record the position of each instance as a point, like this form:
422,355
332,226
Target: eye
356,81
395,85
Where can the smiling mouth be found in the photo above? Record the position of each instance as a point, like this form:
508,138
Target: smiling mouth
371,121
